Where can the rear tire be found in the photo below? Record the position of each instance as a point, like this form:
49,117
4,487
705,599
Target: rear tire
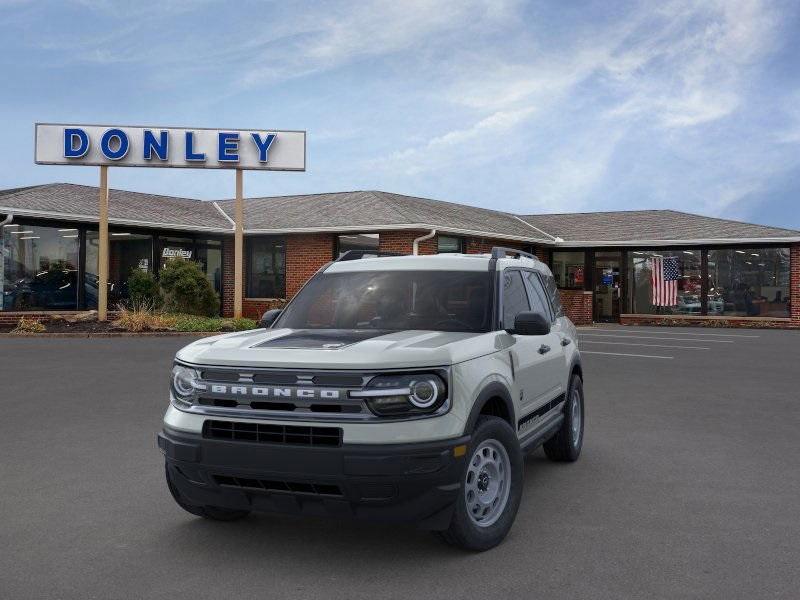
566,444
491,488
214,513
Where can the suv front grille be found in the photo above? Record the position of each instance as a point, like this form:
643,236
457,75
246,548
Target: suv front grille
290,487
273,434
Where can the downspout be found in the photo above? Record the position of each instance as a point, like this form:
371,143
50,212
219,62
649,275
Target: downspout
427,236
7,220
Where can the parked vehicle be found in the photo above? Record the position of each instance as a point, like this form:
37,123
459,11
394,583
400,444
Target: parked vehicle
395,388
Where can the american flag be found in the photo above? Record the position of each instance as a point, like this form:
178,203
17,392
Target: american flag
664,277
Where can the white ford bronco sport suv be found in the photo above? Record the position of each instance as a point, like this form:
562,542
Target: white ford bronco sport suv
395,388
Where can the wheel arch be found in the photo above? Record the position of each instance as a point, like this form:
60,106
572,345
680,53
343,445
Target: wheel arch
494,399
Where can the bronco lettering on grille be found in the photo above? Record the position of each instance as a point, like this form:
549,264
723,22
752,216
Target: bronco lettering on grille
276,392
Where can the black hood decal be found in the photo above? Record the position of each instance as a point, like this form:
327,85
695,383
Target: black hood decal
324,339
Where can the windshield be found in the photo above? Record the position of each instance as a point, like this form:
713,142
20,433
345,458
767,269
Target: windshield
393,301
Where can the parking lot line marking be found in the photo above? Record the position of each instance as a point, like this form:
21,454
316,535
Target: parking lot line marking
624,354
648,345
735,335
650,337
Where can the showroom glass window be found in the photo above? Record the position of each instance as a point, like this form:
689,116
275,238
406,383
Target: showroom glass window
748,282
447,244
128,251
209,255
39,268
266,267
358,241
569,269
645,294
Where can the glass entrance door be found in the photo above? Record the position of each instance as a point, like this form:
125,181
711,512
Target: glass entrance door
607,285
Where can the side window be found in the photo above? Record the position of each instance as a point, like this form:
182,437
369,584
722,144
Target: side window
552,292
538,298
515,298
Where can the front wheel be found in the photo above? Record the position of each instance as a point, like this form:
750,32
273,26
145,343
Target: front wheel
491,488
566,444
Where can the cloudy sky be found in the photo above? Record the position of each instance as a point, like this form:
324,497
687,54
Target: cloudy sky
522,106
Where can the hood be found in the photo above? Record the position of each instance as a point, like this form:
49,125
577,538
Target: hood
339,349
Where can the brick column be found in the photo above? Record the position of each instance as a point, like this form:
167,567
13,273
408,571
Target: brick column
794,284
306,253
227,277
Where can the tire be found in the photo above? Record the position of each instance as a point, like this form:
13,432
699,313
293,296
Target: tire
214,513
566,444
493,443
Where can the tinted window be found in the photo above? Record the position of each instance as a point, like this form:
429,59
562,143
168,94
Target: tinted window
393,301
749,282
539,302
448,244
360,241
515,298
266,267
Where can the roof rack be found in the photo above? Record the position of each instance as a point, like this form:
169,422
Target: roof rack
501,252
358,254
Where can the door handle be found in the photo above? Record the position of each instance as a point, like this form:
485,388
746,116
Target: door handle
544,349
565,341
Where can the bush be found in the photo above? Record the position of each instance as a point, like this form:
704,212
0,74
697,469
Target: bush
143,289
26,325
141,317
186,289
243,324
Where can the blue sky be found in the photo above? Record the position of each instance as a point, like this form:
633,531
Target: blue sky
521,106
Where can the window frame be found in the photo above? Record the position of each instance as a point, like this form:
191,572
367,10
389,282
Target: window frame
248,271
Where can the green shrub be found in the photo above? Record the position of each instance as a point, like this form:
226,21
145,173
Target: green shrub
186,289
243,324
143,289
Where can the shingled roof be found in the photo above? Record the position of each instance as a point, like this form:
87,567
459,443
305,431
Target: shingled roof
79,202
354,211
637,226
363,211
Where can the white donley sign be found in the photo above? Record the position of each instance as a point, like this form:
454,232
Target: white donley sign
181,147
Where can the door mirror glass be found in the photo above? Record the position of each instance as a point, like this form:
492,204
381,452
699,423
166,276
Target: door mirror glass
531,323
269,317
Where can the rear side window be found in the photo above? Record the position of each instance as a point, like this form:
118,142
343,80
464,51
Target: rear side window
552,293
515,298
537,294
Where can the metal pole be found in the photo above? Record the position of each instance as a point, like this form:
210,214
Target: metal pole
102,256
238,255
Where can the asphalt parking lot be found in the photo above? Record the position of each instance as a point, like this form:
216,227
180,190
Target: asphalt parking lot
688,487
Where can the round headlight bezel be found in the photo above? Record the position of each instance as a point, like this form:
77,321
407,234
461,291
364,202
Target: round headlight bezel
183,379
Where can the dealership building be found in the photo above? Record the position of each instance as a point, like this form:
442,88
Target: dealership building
718,271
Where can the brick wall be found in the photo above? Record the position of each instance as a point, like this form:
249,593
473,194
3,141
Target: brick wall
794,283
227,276
305,254
577,306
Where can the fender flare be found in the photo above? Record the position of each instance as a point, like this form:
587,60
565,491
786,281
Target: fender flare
494,389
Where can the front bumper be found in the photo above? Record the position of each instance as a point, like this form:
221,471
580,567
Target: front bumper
411,483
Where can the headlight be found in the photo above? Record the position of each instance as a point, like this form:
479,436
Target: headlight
185,381
404,394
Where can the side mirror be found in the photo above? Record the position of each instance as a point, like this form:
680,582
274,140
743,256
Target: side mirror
269,317
531,323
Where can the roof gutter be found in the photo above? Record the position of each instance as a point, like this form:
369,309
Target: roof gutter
684,242
422,238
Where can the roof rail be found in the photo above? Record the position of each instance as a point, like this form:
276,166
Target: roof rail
501,252
358,254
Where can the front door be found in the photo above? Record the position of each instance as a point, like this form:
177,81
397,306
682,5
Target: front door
607,285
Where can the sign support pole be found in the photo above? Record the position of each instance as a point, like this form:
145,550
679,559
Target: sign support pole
238,255
102,255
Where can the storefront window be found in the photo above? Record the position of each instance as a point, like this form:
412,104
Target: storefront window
209,255
39,268
358,241
568,269
448,244
666,282
175,247
747,282
266,267
128,252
